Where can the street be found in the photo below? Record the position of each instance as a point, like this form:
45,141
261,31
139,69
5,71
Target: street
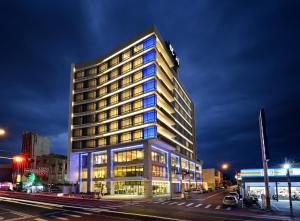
208,206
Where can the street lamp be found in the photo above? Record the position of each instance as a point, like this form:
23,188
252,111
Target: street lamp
287,166
224,166
2,132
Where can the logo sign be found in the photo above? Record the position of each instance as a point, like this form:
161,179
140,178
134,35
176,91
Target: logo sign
173,53
41,171
276,172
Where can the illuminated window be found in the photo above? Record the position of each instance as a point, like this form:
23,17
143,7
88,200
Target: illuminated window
92,71
113,126
126,55
114,86
137,90
126,122
126,67
114,99
115,61
102,129
126,94
100,158
90,144
79,75
114,74
102,91
113,139
150,116
129,171
84,173
79,86
102,116
149,71
92,83
102,141
138,104
137,135
100,172
103,67
150,132
158,171
78,97
128,155
126,81
149,56
125,137
138,48
113,112
137,76
137,62
91,95
77,133
149,86
91,107
158,157
103,79
138,119
149,101
102,104
126,108
149,42
91,131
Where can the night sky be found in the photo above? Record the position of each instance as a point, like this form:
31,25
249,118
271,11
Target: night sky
236,57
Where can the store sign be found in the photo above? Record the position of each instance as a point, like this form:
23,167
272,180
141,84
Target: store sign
172,52
275,172
41,171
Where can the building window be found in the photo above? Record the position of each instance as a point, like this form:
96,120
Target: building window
91,131
137,135
149,42
90,144
126,67
114,86
126,122
138,119
149,116
149,71
102,91
113,126
113,112
137,62
126,94
129,171
91,95
128,155
84,173
92,71
149,101
92,83
138,48
100,172
77,132
158,171
126,137
126,55
102,129
113,139
79,86
137,104
91,107
79,75
78,97
102,104
158,157
149,86
126,81
137,76
114,74
103,67
126,108
150,132
137,90
149,56
102,116
129,187
114,61
101,141
114,99
103,79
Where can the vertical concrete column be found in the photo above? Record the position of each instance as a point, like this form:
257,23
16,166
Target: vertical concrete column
89,175
110,171
170,174
147,170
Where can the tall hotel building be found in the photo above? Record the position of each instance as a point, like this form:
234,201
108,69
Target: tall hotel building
132,125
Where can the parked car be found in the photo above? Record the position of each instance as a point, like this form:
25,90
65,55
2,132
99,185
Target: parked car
235,194
197,191
230,200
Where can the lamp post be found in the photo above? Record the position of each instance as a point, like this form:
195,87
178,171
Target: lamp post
2,132
287,167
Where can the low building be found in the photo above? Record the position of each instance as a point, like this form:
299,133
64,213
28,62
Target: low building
212,177
252,182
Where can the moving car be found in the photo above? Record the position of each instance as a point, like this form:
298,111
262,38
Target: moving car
235,194
230,201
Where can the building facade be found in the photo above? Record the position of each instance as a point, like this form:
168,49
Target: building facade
212,178
132,124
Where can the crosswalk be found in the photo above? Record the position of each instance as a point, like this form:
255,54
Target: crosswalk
192,205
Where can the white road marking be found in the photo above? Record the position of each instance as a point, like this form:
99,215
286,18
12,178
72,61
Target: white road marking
200,204
180,204
218,207
209,205
72,215
60,218
173,203
228,208
210,196
40,219
189,204
165,202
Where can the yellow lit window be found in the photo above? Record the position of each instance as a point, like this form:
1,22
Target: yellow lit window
126,67
138,62
113,139
126,108
92,71
114,99
113,112
103,79
138,119
114,86
84,174
91,131
79,97
137,76
114,74
115,61
114,126
79,75
102,91
138,48
126,81
100,172
101,141
91,95
126,122
102,129
102,104
77,133
126,55
79,86
137,104
125,137
102,116
103,67
91,107
126,94
137,90
137,135
92,83
90,144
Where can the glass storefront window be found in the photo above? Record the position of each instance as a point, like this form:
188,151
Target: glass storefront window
158,157
159,171
129,171
99,187
100,158
129,155
129,187
100,172
159,188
